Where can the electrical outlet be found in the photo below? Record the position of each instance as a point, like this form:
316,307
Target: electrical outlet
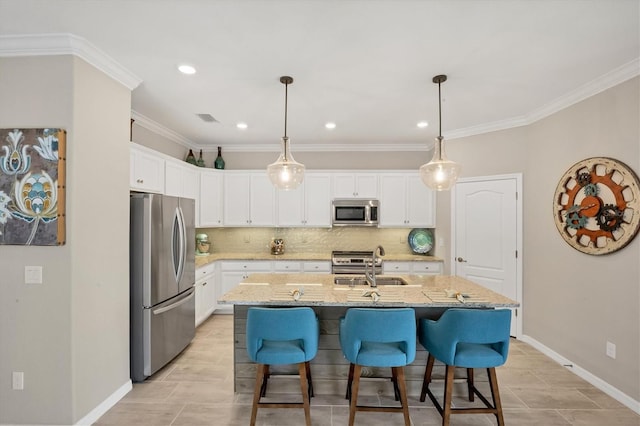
611,350
33,274
17,380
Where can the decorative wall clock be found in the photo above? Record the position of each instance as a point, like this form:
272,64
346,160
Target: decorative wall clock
597,205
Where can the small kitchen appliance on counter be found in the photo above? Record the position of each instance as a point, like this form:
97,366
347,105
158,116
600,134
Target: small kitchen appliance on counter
277,246
202,244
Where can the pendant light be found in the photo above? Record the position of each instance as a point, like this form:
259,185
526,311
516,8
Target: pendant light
440,173
286,173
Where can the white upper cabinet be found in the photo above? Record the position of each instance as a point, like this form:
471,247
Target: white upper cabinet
405,201
210,205
355,185
146,171
181,179
307,205
249,199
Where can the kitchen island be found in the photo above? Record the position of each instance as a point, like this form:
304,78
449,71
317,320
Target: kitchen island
430,296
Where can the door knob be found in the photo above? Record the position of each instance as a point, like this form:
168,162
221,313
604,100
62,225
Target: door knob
461,260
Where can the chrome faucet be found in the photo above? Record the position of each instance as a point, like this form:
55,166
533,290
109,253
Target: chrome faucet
371,276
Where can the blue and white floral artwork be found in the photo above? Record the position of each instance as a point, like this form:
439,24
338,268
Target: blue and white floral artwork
32,182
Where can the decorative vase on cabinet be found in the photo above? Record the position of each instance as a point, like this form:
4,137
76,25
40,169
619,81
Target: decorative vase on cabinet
219,162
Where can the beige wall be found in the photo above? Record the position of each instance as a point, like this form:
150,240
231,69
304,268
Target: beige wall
69,335
575,302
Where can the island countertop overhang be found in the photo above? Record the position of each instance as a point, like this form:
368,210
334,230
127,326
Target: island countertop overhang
275,289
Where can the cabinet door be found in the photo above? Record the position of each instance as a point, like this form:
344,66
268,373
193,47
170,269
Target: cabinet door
287,266
172,179
262,207
355,185
146,172
421,210
180,180
228,281
393,200
317,200
427,268
291,206
391,267
344,185
316,267
210,199
366,185
236,200
190,180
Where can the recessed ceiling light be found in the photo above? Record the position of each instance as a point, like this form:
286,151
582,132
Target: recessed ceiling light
330,125
186,69
242,126
422,124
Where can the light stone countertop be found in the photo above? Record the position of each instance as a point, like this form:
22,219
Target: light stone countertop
319,290
202,260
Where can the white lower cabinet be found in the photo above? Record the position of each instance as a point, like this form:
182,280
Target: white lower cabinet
316,267
205,290
417,268
233,272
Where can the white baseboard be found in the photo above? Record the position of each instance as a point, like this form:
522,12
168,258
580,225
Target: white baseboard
605,387
105,405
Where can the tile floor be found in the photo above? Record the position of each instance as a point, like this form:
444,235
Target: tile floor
197,389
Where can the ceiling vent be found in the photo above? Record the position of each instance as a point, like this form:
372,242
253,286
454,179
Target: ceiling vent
207,118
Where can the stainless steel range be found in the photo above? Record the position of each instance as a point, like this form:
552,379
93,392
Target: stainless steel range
353,262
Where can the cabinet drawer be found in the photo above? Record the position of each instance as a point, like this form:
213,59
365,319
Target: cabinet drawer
319,267
287,266
396,267
427,267
205,270
259,265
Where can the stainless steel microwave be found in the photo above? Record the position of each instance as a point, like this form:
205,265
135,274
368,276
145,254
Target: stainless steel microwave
354,212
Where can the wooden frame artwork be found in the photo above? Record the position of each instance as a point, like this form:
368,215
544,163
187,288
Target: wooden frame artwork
32,186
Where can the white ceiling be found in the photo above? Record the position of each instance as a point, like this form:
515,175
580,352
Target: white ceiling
366,65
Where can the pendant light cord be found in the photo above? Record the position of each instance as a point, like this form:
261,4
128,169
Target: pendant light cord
286,96
439,111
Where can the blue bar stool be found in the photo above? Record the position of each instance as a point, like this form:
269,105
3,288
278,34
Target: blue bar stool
277,336
467,338
378,337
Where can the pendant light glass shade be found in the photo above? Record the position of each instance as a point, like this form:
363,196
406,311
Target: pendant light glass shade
440,173
286,173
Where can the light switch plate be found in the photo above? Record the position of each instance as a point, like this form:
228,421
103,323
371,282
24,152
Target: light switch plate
33,274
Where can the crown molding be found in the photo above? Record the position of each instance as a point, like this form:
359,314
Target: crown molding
161,130
613,78
67,44
592,88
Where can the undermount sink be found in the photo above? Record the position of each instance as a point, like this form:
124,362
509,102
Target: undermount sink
362,281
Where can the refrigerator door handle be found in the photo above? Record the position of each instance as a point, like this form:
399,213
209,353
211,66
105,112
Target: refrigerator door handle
183,243
173,305
178,244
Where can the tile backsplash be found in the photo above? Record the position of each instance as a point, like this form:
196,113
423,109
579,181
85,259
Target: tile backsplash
308,240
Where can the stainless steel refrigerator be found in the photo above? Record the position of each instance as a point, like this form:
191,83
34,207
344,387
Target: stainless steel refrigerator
162,275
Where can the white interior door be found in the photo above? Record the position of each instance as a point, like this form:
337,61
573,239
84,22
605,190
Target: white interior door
487,236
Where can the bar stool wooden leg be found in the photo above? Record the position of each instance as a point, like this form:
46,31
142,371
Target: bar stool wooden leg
495,394
304,389
353,406
398,372
309,380
349,382
448,390
470,384
265,380
427,377
257,391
